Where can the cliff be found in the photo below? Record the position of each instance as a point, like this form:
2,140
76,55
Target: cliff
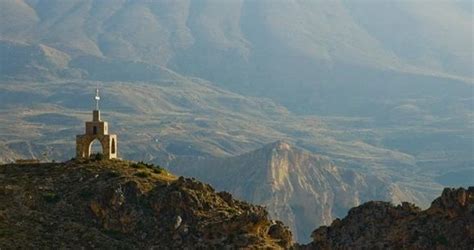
447,224
125,205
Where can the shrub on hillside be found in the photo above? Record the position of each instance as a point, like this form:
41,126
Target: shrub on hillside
142,165
50,197
142,174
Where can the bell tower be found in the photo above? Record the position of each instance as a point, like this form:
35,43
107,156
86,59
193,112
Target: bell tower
96,130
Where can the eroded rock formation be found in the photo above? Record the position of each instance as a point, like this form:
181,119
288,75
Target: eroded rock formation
447,224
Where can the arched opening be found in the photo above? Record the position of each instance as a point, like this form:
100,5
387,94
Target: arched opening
113,146
95,148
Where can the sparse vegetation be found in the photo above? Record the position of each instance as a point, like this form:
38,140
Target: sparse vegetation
5,232
114,234
86,193
441,239
51,197
142,165
138,165
159,170
142,174
113,174
155,168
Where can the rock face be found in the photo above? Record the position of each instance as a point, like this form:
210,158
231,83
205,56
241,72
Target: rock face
118,204
302,189
447,224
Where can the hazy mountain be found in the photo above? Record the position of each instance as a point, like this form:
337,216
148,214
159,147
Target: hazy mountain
297,187
398,35
281,49
377,87
40,62
342,57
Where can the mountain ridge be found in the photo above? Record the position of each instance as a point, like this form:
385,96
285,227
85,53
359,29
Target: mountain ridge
297,187
186,27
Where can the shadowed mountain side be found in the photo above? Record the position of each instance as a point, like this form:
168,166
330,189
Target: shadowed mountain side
446,224
34,61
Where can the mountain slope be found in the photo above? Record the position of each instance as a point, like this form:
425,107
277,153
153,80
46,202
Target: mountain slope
166,33
119,204
297,187
390,83
39,62
284,50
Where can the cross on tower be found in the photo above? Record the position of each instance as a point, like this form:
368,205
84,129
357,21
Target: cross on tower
96,130
97,98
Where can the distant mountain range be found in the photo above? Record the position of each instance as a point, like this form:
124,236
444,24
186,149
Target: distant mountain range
227,39
381,91
273,48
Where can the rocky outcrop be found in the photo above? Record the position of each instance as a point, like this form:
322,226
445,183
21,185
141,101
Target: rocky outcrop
447,224
118,204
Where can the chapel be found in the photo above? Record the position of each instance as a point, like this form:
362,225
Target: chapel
96,130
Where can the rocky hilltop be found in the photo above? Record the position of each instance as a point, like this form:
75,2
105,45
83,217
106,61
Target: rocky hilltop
447,224
124,205
302,189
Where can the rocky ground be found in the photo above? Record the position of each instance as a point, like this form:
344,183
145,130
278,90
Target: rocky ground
124,205
114,204
447,224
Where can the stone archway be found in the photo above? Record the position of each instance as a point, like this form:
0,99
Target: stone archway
108,145
91,146
96,130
